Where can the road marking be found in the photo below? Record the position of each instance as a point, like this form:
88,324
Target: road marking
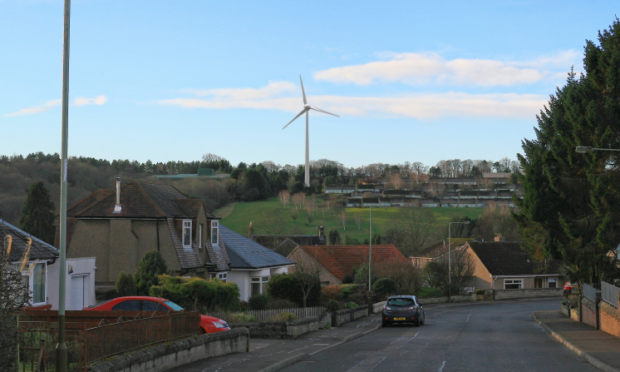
373,367
469,316
355,366
442,365
416,335
292,351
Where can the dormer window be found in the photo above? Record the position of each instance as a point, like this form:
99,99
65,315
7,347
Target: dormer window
214,233
187,233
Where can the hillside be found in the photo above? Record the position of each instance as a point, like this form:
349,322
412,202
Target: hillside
261,212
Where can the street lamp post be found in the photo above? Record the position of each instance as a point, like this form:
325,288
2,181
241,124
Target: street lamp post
370,255
450,258
584,149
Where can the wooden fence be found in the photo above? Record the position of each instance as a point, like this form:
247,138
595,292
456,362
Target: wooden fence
267,315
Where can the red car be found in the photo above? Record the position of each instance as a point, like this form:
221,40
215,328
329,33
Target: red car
568,287
209,324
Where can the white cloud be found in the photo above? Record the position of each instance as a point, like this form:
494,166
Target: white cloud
420,106
83,101
425,68
36,109
272,89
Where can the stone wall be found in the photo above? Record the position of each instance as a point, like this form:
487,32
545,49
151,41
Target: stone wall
360,312
441,300
609,319
298,327
263,329
341,316
503,294
165,357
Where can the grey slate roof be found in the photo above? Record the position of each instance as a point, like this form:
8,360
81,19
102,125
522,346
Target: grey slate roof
507,258
40,250
245,253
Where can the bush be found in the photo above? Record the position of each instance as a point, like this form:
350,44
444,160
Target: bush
283,317
429,292
125,286
385,286
198,294
331,292
241,318
258,302
281,303
150,267
350,304
288,287
346,290
332,306
479,291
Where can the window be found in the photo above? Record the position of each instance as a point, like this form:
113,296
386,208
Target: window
265,280
259,285
131,305
513,283
200,236
552,283
221,276
153,306
214,233
38,284
187,233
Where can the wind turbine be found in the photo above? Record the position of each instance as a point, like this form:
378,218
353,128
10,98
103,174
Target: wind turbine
307,108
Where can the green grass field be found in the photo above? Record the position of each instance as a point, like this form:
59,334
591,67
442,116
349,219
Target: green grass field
242,213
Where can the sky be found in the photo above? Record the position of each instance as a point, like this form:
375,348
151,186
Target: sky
173,80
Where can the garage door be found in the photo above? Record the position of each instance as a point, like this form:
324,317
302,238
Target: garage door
79,293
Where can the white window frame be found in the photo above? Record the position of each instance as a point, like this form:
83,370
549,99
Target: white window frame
186,224
200,235
215,229
549,282
513,281
30,274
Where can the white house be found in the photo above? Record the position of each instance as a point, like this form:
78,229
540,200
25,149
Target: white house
42,269
251,264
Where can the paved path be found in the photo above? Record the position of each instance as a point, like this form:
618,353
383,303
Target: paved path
497,336
582,338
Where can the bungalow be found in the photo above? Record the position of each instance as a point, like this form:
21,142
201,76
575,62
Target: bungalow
41,270
334,262
251,264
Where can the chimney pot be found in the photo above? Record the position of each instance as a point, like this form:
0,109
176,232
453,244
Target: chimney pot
117,207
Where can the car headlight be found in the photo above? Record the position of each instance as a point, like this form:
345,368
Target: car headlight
220,325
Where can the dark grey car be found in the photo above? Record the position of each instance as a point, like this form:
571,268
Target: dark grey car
402,309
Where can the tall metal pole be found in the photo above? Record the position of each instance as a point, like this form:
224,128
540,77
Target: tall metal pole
449,263
370,255
61,347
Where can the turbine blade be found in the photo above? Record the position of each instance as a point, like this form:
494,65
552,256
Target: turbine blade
323,111
298,115
303,91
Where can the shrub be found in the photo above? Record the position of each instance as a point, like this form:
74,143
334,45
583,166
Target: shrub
280,303
198,294
241,318
125,286
385,286
346,290
479,291
332,306
331,292
258,302
288,287
283,317
150,267
429,292
350,304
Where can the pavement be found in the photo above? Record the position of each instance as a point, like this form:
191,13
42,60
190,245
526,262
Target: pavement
600,349
269,355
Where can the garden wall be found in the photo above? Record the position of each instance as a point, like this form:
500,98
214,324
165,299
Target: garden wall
503,294
589,313
291,329
609,319
165,357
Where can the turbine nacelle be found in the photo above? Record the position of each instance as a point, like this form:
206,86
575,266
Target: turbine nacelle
307,107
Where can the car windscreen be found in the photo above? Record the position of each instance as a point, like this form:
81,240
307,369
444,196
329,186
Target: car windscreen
173,306
400,302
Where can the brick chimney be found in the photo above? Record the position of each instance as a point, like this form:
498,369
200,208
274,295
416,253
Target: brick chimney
499,238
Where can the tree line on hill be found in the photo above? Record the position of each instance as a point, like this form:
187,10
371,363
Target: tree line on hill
247,182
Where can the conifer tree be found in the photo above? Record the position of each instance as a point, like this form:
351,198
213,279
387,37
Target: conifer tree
571,207
150,267
38,214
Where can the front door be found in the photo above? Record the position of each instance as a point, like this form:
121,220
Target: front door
538,282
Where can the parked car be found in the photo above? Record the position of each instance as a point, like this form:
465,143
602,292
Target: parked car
208,324
568,287
402,309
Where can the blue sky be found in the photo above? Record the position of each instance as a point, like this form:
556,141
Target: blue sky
172,80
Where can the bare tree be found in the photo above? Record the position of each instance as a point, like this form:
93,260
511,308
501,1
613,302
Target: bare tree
396,180
298,200
294,214
273,224
411,229
358,220
308,273
342,217
285,197
452,281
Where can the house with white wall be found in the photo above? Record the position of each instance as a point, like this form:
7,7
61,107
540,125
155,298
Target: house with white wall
42,268
251,264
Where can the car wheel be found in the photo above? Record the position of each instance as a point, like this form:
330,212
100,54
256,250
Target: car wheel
417,322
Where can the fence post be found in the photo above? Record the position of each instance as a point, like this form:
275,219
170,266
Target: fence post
85,346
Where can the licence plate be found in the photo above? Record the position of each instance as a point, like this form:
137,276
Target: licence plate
400,318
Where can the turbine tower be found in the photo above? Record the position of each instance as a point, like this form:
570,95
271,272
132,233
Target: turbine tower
307,108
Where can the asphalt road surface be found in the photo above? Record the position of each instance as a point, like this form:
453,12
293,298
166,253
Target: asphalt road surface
498,336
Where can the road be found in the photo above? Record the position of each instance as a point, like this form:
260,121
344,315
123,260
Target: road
498,336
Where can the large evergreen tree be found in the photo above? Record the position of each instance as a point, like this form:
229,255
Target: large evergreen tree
150,267
38,214
571,207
